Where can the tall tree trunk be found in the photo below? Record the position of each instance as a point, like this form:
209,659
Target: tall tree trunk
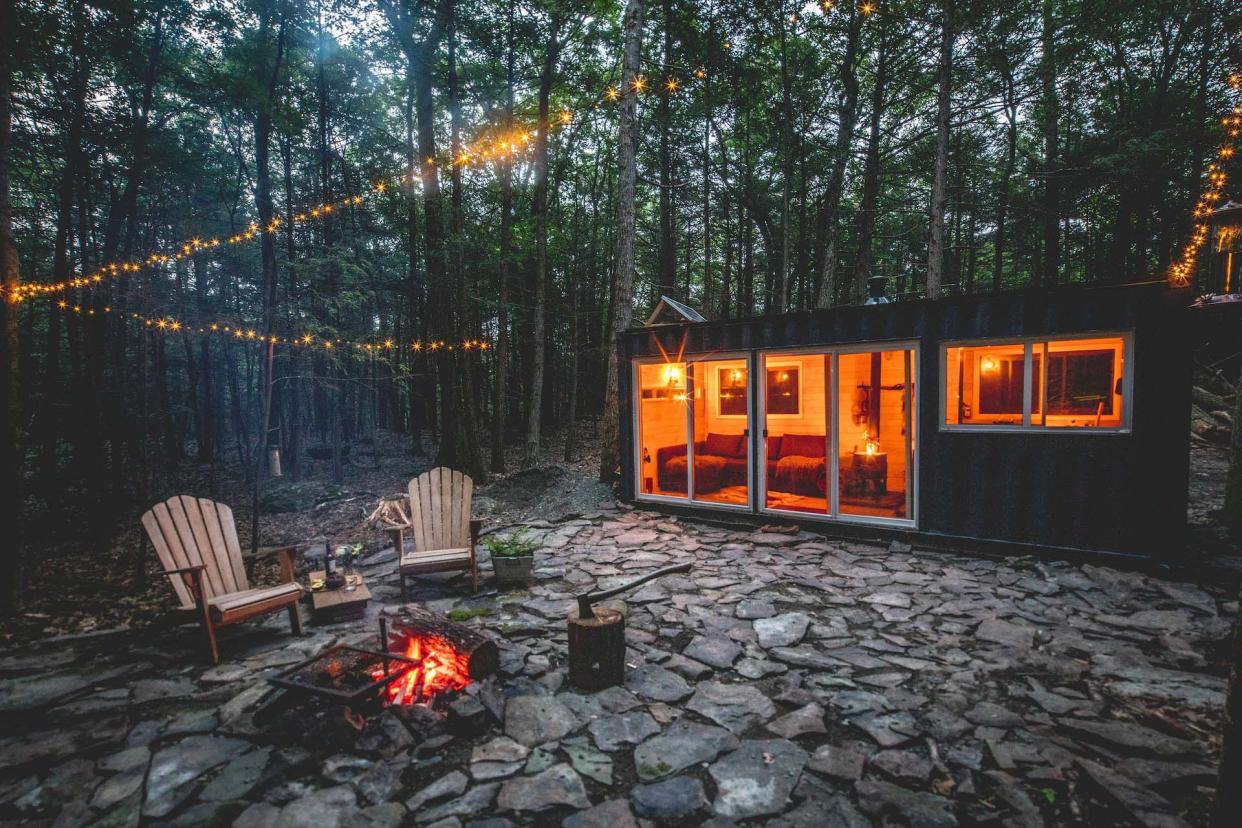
539,208
871,175
847,120
780,295
708,280
267,74
666,258
472,461
500,401
1002,195
61,251
402,15
627,174
1051,116
415,287
940,167
12,566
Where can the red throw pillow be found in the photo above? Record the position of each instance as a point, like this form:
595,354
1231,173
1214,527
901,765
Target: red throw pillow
802,445
724,445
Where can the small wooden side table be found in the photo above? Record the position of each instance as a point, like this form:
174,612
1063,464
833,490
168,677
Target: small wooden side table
329,606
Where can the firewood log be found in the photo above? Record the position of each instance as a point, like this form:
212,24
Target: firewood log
480,652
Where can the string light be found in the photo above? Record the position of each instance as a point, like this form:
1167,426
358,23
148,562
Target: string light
493,145
185,250
1182,270
866,9
170,325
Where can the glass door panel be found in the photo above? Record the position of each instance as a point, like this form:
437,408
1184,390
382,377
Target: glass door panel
662,450
721,417
875,450
797,398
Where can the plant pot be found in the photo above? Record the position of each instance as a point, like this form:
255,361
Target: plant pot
514,570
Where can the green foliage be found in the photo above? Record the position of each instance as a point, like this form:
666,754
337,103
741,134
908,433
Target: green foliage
516,545
467,614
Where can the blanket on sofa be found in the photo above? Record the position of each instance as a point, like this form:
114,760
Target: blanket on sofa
802,474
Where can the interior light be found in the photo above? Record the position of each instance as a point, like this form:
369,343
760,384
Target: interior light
988,364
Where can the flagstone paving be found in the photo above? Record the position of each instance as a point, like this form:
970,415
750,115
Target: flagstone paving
787,680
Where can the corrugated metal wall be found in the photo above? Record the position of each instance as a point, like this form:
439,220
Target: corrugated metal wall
1109,492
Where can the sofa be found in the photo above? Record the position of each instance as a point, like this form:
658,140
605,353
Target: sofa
795,464
720,460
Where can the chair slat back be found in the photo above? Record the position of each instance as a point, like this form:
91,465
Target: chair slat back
194,531
440,502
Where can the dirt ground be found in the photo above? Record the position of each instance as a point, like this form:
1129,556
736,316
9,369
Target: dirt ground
72,591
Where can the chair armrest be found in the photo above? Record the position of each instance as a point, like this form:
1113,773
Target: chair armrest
194,582
185,570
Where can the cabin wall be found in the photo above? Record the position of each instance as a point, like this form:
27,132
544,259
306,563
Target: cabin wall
1119,492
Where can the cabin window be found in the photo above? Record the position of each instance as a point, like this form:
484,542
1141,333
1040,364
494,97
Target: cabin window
1055,383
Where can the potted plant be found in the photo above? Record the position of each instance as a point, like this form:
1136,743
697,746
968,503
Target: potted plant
512,558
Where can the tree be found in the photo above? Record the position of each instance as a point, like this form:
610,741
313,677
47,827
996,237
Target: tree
10,449
944,85
539,208
627,174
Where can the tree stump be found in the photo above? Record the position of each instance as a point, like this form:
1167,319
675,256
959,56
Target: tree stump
596,649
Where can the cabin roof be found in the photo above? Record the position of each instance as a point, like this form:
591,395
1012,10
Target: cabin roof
671,307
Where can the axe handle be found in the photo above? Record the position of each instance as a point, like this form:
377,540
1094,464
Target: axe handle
587,599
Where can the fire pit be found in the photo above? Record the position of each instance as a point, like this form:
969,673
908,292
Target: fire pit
425,658
346,675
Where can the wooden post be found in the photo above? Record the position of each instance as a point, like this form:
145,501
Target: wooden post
596,649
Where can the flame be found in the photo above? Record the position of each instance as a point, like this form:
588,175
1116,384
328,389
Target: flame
439,669
870,447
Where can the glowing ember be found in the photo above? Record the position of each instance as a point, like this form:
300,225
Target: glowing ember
439,669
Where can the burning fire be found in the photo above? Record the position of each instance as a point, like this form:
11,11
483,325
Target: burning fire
439,669
870,447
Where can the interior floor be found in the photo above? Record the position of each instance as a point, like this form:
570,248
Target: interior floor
738,495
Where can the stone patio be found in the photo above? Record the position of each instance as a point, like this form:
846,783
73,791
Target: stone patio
786,680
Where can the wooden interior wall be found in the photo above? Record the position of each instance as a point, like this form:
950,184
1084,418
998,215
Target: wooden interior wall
813,406
662,422
706,417
855,372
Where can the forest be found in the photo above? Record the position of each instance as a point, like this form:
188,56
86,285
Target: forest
251,228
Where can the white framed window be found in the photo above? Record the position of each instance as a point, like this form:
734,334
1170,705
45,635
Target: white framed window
1060,383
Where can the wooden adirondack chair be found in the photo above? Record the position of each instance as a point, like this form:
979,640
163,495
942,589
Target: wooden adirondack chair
196,541
444,534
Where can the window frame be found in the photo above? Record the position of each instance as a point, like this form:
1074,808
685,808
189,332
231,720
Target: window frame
1029,392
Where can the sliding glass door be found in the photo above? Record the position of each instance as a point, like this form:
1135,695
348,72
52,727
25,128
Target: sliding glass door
660,414
720,422
835,434
797,433
838,433
875,447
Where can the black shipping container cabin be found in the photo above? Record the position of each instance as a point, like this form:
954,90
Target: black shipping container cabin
1055,419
